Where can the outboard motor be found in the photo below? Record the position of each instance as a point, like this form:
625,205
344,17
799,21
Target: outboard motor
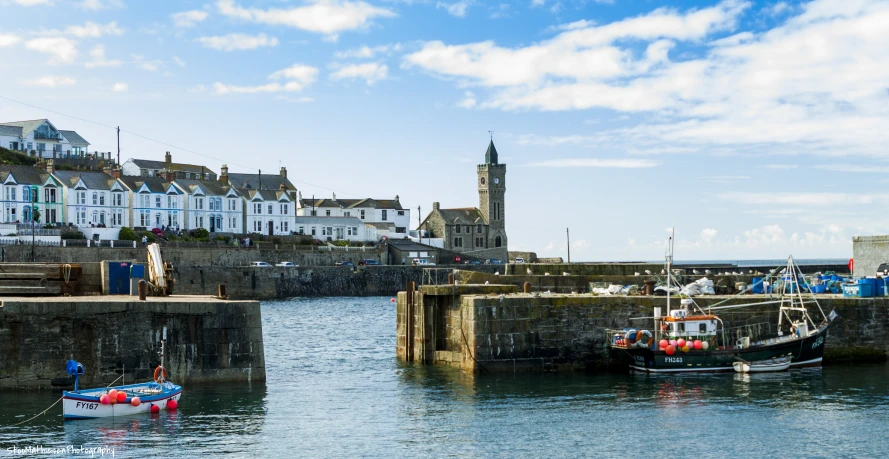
75,369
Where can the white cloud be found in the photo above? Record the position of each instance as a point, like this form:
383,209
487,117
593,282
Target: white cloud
51,81
369,72
178,61
818,199
781,166
707,234
457,9
536,3
774,91
295,78
596,162
853,168
62,49
99,59
96,5
238,42
468,100
580,244
8,39
328,17
188,18
368,52
91,30
120,87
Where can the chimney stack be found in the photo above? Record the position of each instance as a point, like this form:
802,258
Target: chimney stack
116,172
334,196
168,160
223,174
169,175
50,166
284,172
435,206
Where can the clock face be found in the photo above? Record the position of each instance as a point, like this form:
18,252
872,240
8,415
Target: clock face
496,180
483,180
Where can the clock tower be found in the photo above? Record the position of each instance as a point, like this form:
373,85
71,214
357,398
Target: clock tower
491,193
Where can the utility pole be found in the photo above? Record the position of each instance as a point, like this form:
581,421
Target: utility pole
418,225
568,237
118,145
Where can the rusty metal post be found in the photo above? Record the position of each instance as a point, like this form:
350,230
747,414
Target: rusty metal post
221,291
143,289
450,278
527,287
649,287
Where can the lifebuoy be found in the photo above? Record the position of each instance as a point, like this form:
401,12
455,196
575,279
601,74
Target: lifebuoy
642,341
635,336
163,372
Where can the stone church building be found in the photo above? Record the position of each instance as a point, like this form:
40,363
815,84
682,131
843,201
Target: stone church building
479,232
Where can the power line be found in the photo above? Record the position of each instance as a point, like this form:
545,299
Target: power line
166,143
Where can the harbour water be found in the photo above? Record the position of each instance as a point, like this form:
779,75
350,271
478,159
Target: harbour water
335,389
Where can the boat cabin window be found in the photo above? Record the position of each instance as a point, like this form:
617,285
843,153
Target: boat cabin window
681,326
703,327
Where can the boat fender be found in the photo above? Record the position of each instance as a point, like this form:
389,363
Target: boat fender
162,371
644,338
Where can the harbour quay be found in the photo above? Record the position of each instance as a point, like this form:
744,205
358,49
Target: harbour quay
208,340
495,328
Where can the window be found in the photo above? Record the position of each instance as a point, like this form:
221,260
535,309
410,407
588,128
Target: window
95,217
314,213
384,214
401,213
313,231
285,227
81,197
347,214
257,208
702,328
301,230
478,228
10,194
117,218
41,147
117,199
327,212
50,216
145,200
681,327
349,231
101,199
498,242
157,201
145,218
400,229
270,209
330,231
171,201
49,194
81,217
231,204
355,230
211,204
456,228
362,215
26,193
285,209
199,203
458,242
95,198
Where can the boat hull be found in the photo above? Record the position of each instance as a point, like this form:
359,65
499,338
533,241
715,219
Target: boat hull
86,404
804,352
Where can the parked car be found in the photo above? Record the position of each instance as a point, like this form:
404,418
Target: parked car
421,262
371,263
519,260
496,261
286,264
472,262
260,264
344,263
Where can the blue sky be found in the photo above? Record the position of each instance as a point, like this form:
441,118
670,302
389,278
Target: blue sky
756,129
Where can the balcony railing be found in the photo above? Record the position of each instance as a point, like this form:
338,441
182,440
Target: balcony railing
44,136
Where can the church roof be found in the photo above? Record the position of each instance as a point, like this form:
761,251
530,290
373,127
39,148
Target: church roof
462,216
491,154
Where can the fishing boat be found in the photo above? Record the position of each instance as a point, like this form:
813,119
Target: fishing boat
689,339
124,400
762,366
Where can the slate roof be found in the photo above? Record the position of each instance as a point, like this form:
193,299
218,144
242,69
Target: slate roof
27,126
464,216
11,131
251,181
159,165
24,175
74,138
155,184
266,195
211,187
491,154
354,203
381,225
93,180
407,245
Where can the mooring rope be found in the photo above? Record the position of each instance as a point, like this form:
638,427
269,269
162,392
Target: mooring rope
38,414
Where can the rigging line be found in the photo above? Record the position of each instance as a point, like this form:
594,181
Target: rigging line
167,144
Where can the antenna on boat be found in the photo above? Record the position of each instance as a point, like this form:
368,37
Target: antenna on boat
669,257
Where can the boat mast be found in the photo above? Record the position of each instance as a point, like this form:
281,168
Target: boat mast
669,257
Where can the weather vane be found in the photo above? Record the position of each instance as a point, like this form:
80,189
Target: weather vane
492,135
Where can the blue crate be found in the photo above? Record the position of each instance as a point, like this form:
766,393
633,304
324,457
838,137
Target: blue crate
865,290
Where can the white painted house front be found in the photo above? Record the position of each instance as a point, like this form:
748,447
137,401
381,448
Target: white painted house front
210,205
156,203
94,199
26,190
42,137
388,217
332,228
269,212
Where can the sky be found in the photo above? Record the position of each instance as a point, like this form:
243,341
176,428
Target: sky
755,129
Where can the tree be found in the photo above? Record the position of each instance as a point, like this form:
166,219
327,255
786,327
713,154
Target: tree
126,234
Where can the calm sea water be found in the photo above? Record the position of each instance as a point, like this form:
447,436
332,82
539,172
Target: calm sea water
334,389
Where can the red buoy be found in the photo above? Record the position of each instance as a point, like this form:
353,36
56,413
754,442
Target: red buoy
671,350
112,395
680,342
121,397
154,409
135,401
391,300
663,344
698,344
104,399
172,404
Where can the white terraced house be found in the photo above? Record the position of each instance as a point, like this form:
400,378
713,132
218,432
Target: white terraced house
385,216
211,205
41,137
269,212
25,190
156,203
94,199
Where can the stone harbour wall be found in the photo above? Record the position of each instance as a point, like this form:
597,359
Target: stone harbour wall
207,340
869,252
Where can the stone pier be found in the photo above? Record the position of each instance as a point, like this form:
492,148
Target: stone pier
208,340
